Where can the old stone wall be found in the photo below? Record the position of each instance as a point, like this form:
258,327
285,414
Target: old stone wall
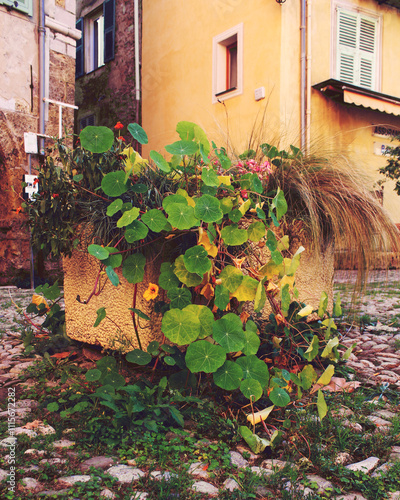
19,113
108,92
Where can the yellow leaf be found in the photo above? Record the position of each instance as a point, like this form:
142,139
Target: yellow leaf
325,378
190,200
287,280
137,163
263,414
276,342
244,207
224,179
305,311
270,270
38,299
204,240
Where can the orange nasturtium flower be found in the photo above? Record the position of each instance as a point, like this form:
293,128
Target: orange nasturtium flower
18,210
151,292
118,126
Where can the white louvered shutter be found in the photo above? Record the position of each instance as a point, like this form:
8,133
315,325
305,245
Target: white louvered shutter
356,49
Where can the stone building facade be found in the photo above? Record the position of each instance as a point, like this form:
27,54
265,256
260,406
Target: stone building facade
37,40
108,63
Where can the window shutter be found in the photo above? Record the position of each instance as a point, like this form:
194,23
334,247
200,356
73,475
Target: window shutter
109,29
21,5
356,49
79,59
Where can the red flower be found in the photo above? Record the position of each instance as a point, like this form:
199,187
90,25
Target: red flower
244,194
121,138
118,126
55,195
35,181
18,210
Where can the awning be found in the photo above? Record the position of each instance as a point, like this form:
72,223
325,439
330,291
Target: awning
350,94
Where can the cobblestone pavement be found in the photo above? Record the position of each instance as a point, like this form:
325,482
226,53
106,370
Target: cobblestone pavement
375,359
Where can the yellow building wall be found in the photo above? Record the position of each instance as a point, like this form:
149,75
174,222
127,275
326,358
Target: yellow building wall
177,78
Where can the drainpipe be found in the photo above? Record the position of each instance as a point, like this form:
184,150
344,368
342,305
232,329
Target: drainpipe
303,75
137,49
42,74
308,82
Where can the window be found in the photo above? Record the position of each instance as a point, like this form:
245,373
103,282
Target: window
85,122
357,48
96,46
228,64
21,5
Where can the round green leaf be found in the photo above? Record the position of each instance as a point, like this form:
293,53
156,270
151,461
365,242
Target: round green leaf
153,347
114,379
160,161
189,279
112,275
174,199
93,375
182,148
106,363
256,231
231,278
228,332
254,368
114,207
136,231
133,268
126,207
279,397
138,357
53,406
181,216
113,184
167,278
96,139
228,376
114,259
221,299
196,260
251,389
202,356
206,318
179,297
189,131
169,361
209,177
138,133
139,188
208,209
98,251
180,326
128,217
235,215
232,235
251,343
155,220
226,205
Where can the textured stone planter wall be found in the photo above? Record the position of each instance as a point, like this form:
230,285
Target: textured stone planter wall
80,273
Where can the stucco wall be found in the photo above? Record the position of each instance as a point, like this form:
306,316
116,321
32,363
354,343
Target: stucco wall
19,113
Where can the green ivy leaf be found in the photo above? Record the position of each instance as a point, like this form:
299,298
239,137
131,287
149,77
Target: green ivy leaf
187,278
251,389
113,184
138,357
160,161
138,133
260,298
98,251
279,397
232,235
228,332
202,356
133,268
221,299
101,314
251,343
337,306
112,276
114,207
181,216
179,297
254,368
280,205
180,326
312,350
128,217
140,313
96,139
321,405
228,376
196,260
136,231
155,220
285,298
208,209
323,304
231,278
182,148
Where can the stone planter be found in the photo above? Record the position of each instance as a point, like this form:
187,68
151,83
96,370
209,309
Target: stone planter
116,331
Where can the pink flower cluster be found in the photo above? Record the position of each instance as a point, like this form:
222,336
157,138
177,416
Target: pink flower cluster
263,170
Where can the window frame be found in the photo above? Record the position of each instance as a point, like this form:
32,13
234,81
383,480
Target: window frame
376,58
25,6
221,65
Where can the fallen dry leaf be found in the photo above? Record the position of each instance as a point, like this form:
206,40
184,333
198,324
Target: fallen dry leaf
33,425
337,384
